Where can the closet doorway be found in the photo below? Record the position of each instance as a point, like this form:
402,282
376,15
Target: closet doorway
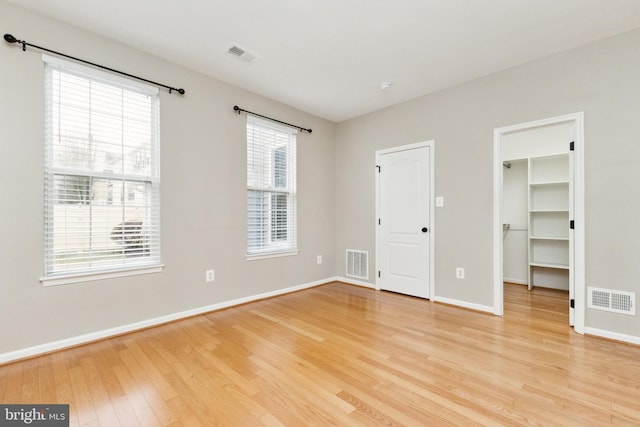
539,209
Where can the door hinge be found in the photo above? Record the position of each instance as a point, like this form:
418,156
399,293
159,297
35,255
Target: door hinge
572,225
378,273
572,303
379,168
572,146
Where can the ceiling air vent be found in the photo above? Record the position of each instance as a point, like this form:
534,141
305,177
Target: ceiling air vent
242,54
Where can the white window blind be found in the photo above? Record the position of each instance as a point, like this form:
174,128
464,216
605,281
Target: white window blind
102,178
271,187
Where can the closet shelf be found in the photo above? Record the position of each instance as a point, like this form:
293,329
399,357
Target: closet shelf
548,238
548,210
549,183
549,265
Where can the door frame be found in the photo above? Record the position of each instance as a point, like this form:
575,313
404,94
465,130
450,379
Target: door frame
431,145
578,213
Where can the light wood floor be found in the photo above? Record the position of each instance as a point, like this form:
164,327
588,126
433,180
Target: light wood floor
347,356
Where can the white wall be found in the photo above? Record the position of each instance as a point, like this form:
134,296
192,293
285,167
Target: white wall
601,79
203,196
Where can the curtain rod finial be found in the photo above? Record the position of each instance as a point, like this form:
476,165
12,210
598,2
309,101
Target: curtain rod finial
10,39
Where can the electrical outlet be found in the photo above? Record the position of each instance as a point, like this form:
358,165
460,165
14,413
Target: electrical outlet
319,259
459,273
210,275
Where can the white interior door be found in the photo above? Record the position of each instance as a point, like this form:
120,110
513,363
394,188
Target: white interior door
404,221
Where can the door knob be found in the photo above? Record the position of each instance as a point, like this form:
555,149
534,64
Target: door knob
425,229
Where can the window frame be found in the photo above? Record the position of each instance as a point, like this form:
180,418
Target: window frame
271,190
53,173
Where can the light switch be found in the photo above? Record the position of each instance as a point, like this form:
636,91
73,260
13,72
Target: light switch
439,202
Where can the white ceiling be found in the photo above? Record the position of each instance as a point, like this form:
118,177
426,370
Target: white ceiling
328,57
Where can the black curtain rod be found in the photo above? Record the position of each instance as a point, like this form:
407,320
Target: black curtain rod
240,110
11,39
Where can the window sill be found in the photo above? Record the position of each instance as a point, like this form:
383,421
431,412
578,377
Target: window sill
272,255
87,277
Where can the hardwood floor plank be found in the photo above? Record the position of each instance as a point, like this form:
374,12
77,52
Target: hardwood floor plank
148,373
63,387
344,355
145,415
104,409
12,379
46,381
147,386
105,359
202,391
30,382
188,417
366,413
84,405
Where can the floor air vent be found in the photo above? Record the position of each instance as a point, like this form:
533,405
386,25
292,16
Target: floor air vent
615,301
358,264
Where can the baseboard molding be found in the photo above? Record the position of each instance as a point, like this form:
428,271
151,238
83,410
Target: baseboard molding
355,282
465,304
41,349
516,281
631,339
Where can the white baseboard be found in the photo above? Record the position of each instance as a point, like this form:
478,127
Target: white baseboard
465,304
516,281
40,349
631,339
355,282
449,301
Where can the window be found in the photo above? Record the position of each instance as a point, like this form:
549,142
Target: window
271,188
102,175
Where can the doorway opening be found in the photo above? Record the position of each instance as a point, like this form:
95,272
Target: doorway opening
539,210
542,306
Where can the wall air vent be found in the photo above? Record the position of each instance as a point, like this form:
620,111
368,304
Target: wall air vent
358,264
242,54
610,300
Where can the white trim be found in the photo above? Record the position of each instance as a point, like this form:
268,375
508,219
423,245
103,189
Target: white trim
131,327
87,277
578,214
271,124
465,304
432,216
631,339
432,208
516,281
272,255
128,82
498,267
355,282
405,147
542,122
579,242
